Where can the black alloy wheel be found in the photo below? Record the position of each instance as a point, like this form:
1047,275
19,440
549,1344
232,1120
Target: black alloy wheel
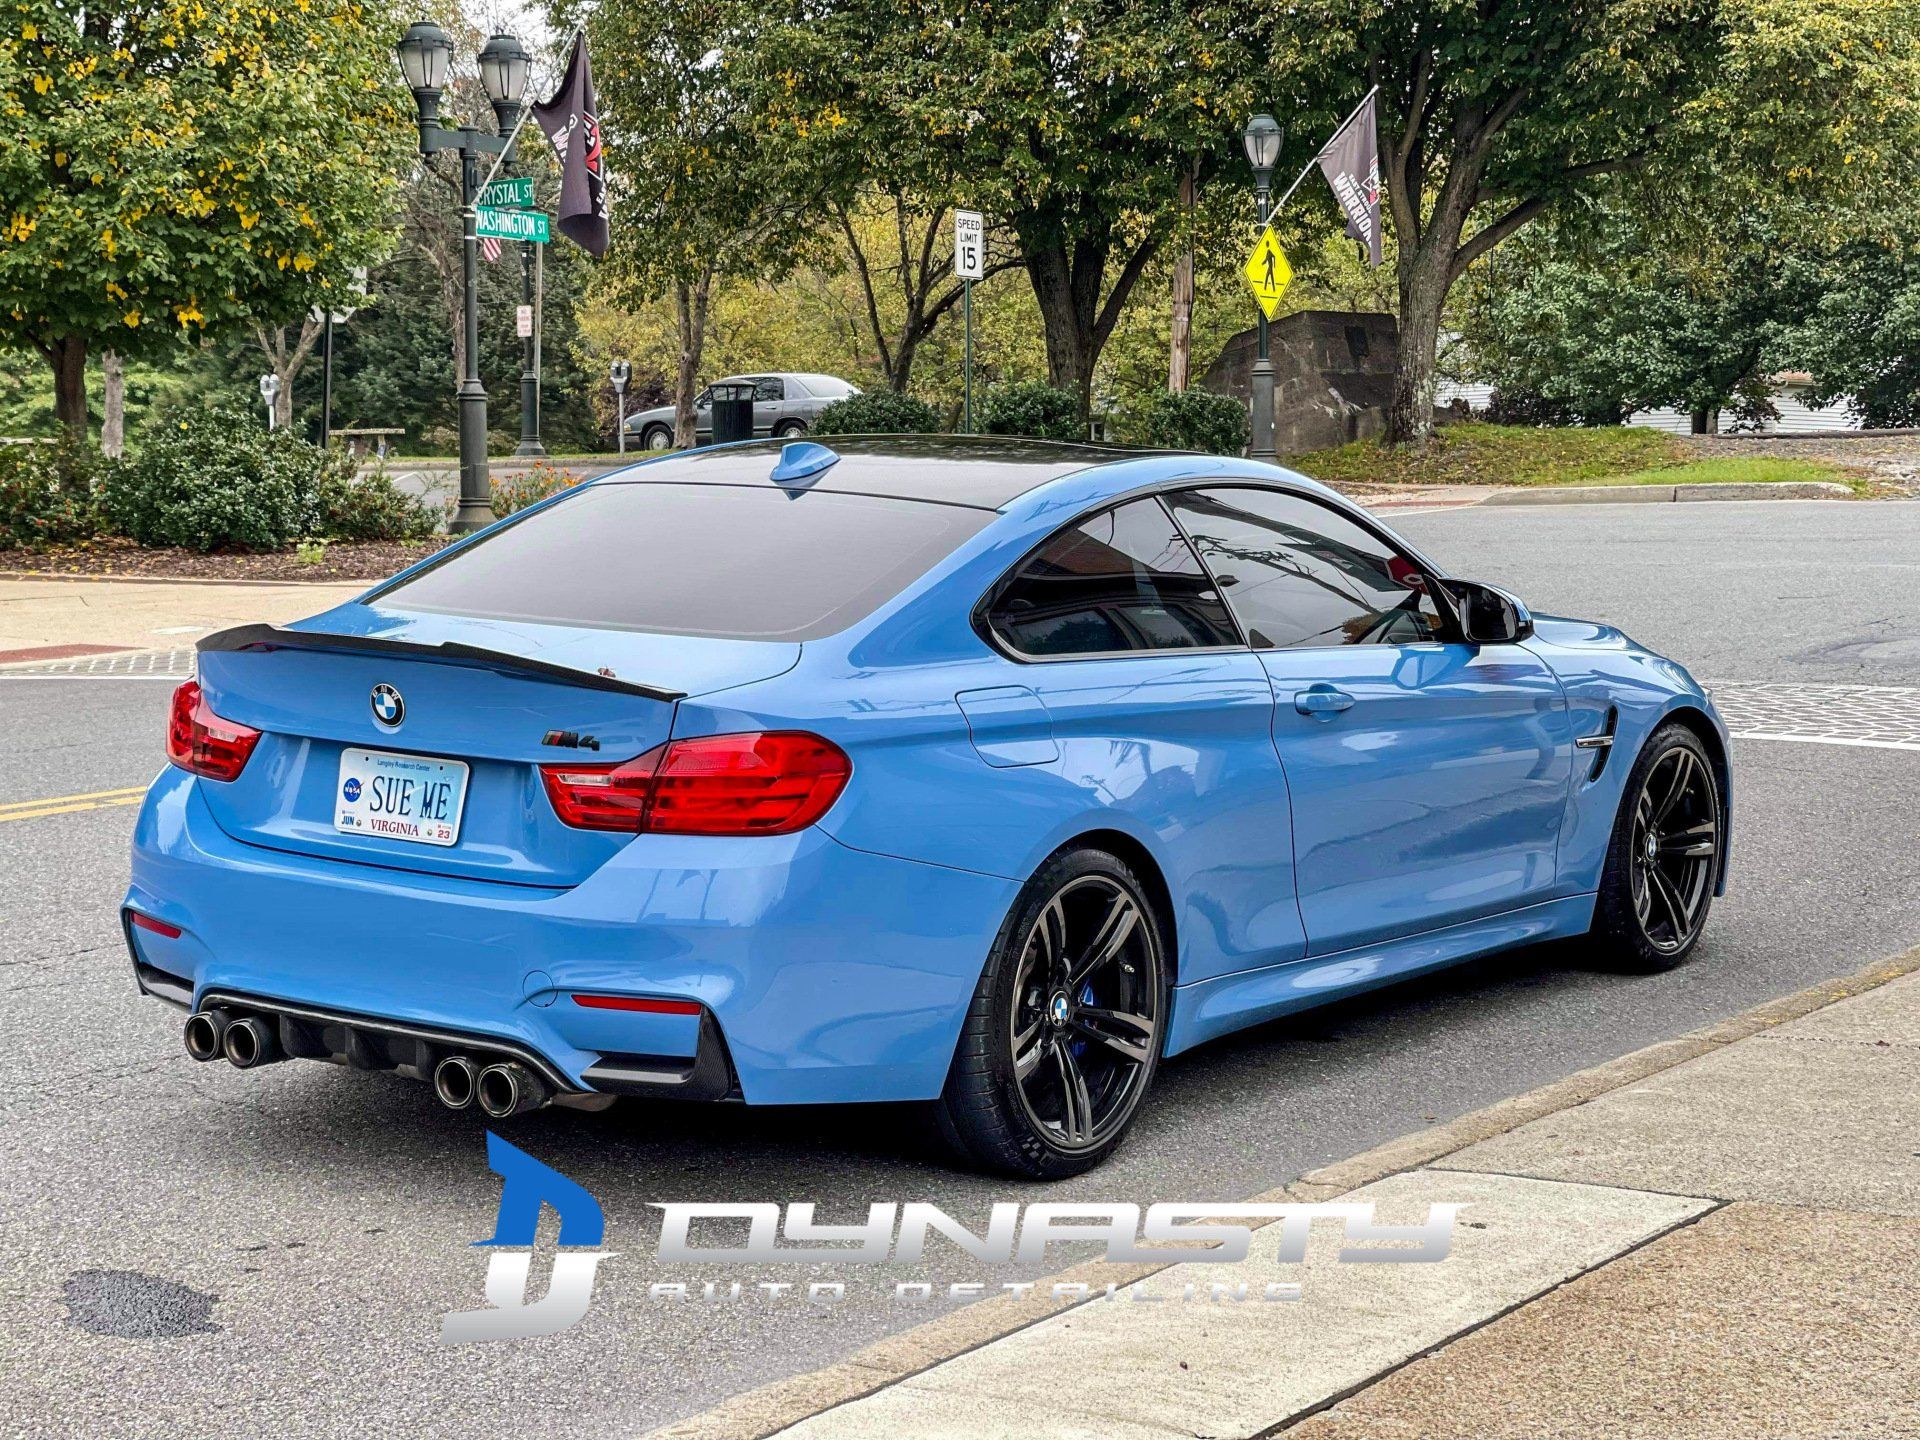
1674,850
1663,862
1064,1035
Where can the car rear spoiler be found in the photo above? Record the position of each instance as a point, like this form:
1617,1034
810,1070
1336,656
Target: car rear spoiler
272,637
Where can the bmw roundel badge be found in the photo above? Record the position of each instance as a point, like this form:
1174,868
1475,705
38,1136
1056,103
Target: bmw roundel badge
388,708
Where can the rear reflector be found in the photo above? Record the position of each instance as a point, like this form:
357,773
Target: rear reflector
634,1002
158,927
202,743
759,783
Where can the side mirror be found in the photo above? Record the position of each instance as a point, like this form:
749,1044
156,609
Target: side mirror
1490,616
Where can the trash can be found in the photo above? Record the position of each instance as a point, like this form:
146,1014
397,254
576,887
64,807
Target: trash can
732,411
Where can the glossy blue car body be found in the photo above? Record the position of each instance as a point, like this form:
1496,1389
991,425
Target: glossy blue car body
1301,856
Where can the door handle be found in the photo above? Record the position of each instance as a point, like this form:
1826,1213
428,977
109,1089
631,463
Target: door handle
1322,700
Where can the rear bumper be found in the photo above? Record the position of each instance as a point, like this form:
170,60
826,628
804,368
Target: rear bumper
823,973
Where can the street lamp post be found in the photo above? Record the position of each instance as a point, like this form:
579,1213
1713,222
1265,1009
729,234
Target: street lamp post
425,56
1262,137
504,52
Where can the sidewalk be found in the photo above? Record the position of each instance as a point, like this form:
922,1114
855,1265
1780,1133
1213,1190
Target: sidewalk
89,617
1718,1236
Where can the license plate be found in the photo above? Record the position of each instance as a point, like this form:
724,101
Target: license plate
400,797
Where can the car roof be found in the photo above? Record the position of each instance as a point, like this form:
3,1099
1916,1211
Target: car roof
981,471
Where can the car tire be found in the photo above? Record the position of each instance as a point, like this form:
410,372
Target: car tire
656,437
789,429
1052,1066
1663,858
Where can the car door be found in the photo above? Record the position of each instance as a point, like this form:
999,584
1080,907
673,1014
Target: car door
703,414
1136,691
1429,776
769,403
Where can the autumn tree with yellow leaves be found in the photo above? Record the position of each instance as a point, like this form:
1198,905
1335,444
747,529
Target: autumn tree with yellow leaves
173,170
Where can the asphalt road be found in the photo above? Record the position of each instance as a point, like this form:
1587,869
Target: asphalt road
190,1248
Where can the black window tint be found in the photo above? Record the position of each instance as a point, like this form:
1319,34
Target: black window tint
1123,580
769,389
1299,574
736,561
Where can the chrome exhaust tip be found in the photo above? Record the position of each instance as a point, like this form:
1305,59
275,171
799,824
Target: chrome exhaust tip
205,1032
250,1042
454,1081
508,1089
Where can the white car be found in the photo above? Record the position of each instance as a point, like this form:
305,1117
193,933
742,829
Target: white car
784,405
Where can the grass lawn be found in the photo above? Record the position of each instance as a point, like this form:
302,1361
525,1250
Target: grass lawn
1477,454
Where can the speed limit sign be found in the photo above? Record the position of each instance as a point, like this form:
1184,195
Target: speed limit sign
969,245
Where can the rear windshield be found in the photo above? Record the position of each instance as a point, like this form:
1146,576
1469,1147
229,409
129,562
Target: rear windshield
738,562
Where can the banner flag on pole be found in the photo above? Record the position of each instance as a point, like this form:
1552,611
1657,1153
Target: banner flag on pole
1351,163
571,120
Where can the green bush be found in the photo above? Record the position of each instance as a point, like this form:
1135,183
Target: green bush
46,494
351,506
1033,408
877,412
1195,420
215,479
530,487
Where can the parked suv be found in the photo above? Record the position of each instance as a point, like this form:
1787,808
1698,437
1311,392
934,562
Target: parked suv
784,406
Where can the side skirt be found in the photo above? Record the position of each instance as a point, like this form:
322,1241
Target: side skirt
1209,1008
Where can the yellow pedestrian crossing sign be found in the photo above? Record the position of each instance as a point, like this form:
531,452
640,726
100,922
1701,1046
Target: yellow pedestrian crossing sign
1268,272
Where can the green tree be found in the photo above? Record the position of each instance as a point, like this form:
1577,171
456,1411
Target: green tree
701,194
1594,322
1860,335
1070,126
1494,111
185,168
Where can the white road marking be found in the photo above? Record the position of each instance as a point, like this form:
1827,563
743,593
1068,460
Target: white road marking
1872,717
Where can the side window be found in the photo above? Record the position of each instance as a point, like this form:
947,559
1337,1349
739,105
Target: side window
768,389
1299,574
1123,580
704,399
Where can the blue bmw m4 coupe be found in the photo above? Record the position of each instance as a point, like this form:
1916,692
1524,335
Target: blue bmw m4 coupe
976,772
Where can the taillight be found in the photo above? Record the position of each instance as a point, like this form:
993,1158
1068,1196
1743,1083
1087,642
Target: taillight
762,783
201,742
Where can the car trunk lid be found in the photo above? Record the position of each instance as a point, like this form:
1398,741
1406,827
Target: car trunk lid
499,698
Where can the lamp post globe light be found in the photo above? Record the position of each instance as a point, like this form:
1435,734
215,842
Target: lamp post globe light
1262,137
426,56
505,67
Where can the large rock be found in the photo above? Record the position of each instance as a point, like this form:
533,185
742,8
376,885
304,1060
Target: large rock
1332,376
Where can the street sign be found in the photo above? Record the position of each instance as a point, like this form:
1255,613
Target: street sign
529,225
969,245
523,321
1268,273
512,193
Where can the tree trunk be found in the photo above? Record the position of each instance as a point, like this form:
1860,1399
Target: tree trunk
113,407
1180,349
68,357
1067,304
1423,290
690,313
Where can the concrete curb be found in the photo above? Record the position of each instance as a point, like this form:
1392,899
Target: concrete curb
1669,494
773,1407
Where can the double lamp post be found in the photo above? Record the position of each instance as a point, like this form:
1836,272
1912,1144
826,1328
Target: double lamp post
426,55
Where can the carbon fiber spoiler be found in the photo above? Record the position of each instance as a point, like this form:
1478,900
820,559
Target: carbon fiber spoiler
272,637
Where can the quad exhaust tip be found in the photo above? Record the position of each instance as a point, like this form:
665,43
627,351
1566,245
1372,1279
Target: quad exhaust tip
250,1042
454,1080
206,1033
508,1089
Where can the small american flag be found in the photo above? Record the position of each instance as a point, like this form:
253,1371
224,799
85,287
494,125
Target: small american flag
490,248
